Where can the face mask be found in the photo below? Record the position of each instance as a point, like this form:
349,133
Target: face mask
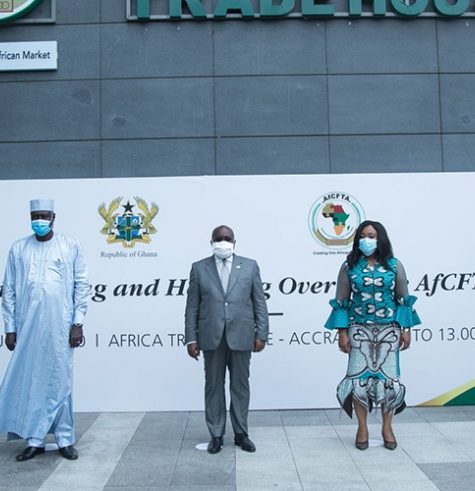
222,249
368,246
41,227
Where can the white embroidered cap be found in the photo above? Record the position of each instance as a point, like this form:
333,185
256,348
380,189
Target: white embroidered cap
41,205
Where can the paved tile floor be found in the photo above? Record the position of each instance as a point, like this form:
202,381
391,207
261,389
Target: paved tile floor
311,450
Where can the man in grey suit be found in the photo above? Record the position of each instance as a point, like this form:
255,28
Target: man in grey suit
226,317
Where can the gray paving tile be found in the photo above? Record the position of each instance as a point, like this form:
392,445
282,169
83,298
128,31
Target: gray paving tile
409,415
196,429
146,464
207,487
399,484
196,417
319,453
377,455
402,431
292,454
25,474
269,486
322,475
387,473
157,427
343,430
339,417
77,485
346,481
269,433
447,413
310,432
459,434
200,435
456,430
100,449
142,488
201,468
451,476
351,484
410,429
264,418
271,467
8,449
18,488
82,423
428,449
301,417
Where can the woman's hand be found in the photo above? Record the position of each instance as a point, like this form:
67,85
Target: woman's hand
405,341
343,341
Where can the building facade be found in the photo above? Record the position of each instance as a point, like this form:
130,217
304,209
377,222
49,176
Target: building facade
291,95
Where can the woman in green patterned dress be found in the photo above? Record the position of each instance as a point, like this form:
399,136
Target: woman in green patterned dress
373,313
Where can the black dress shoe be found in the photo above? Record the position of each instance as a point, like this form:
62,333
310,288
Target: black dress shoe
68,452
243,441
390,445
216,444
30,453
361,445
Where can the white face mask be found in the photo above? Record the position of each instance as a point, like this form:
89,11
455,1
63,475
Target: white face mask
222,249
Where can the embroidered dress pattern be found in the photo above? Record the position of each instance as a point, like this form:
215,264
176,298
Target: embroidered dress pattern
373,304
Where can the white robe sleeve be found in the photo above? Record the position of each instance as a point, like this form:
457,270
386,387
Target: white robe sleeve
8,294
81,286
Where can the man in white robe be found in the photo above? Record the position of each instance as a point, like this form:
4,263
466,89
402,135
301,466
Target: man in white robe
45,294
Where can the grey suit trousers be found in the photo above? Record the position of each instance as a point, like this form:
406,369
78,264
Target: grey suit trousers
238,363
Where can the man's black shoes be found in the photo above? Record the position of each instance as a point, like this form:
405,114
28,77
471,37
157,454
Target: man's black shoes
68,452
240,439
215,445
243,441
30,453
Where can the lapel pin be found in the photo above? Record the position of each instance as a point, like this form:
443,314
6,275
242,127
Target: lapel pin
238,266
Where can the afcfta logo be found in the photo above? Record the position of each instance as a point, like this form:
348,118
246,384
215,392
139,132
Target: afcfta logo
334,218
12,9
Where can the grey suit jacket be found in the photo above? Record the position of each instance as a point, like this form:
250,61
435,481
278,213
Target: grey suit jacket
242,309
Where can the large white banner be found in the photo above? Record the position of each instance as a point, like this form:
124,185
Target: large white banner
299,229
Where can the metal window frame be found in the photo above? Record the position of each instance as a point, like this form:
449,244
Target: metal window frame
38,20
